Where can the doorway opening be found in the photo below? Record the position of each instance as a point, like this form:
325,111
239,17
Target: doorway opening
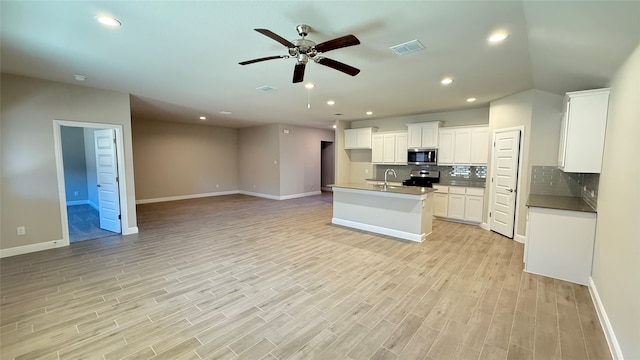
327,165
90,185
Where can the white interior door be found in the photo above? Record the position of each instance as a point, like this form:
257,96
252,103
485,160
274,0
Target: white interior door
107,168
504,181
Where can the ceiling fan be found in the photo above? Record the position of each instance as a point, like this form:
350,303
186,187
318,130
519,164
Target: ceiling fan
303,50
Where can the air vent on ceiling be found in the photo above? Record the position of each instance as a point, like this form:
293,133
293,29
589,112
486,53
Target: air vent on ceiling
407,48
266,88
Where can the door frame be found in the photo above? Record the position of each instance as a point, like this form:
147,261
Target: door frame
521,129
57,138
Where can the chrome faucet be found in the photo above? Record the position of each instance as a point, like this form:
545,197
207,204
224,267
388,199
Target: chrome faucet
392,171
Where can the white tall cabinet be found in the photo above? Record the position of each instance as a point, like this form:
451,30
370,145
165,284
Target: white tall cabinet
582,131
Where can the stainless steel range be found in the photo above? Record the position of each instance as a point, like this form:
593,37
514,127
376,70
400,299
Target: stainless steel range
423,178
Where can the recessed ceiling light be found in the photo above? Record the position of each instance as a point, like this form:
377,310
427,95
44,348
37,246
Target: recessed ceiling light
309,85
446,81
470,100
225,112
369,113
80,77
203,118
498,37
109,21
334,126
331,102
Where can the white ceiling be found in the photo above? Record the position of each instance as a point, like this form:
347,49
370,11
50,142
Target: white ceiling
179,59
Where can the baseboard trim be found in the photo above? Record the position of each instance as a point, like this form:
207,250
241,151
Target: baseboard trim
93,205
277,197
607,328
380,230
520,238
77,202
326,188
130,230
19,250
186,197
485,226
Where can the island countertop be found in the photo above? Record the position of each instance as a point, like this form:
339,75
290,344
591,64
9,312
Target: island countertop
405,190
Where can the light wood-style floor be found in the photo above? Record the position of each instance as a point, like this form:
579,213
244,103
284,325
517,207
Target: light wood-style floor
239,277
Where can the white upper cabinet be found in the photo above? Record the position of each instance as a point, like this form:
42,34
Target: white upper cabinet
358,138
389,148
423,135
463,145
479,145
582,131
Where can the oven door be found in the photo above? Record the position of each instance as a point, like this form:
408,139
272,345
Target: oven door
422,156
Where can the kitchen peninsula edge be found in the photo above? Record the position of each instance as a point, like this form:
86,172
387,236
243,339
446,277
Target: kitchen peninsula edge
404,212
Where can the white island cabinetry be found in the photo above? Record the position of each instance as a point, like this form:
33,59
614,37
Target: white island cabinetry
402,212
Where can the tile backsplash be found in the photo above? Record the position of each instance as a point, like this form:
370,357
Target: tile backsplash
447,173
549,180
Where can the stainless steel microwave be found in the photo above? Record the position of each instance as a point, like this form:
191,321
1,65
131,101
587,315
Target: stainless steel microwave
422,156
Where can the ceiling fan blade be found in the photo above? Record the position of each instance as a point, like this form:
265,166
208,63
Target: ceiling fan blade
275,37
347,69
263,59
298,73
347,40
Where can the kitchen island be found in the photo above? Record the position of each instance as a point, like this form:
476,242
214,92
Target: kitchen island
405,212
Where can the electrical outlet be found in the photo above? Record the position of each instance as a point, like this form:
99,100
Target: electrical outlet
366,171
254,186
21,230
217,186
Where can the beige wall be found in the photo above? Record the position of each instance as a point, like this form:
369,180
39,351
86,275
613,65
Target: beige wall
616,263
539,113
259,159
177,159
300,151
29,186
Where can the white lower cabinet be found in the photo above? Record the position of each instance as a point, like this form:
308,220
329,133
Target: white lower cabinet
559,244
440,201
456,203
461,203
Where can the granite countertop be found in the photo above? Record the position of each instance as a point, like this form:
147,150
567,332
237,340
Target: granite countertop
559,202
388,180
406,190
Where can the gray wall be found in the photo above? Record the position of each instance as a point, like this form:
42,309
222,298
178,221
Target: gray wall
75,168
29,183
540,113
178,159
300,153
259,156
616,262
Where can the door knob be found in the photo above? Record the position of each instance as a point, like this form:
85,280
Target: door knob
510,190
98,185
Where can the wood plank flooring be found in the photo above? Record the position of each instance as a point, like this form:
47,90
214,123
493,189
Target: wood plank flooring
239,277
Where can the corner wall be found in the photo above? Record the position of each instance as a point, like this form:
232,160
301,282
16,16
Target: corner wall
616,259
29,182
183,160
